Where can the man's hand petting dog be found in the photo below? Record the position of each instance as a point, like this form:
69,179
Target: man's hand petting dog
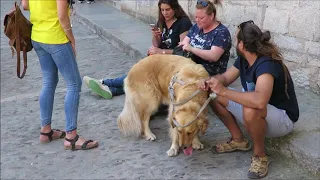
202,84
216,86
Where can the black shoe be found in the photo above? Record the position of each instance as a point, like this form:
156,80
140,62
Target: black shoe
90,1
80,1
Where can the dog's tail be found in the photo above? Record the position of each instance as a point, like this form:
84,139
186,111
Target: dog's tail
129,120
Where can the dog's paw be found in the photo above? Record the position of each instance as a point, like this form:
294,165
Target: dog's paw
150,137
197,145
173,152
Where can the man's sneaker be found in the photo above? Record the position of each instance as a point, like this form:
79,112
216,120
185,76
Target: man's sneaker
90,1
259,167
97,87
80,1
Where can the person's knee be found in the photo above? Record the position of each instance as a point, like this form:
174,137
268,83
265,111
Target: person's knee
219,101
75,85
250,115
79,84
50,82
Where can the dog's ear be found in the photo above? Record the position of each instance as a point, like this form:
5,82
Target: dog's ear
202,124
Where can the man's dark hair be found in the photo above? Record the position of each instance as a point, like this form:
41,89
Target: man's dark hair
256,41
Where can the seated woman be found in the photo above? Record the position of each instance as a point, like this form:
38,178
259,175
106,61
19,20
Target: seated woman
172,27
208,40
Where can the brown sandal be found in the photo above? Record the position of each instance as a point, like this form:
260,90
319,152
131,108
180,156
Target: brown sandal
84,146
231,146
51,137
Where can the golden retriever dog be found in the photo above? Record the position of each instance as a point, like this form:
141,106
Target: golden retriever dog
146,88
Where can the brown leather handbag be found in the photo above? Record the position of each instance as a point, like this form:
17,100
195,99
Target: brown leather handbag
18,29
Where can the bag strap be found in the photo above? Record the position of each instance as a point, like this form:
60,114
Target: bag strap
18,48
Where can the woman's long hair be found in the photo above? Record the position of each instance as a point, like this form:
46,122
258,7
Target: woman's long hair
256,41
178,11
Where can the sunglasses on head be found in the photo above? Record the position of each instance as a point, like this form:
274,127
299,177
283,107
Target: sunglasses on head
203,3
242,25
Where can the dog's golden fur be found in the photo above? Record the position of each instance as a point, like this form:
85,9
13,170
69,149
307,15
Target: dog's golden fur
146,88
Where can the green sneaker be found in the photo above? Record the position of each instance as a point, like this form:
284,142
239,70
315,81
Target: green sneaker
86,80
97,87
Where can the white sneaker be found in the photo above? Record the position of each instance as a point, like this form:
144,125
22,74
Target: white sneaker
86,79
97,87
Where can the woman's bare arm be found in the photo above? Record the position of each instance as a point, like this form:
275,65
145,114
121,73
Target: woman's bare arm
63,15
25,5
213,54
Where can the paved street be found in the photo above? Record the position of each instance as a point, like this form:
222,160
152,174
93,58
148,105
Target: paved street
23,157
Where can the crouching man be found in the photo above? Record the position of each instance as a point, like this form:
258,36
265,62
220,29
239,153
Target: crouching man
267,106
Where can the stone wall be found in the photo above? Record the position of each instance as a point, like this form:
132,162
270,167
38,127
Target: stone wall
294,24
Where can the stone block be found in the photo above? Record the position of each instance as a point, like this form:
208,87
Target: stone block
293,56
153,13
300,77
313,61
143,11
245,2
276,20
234,14
288,42
221,14
314,81
191,9
313,48
143,7
292,4
310,3
304,23
318,82
291,65
129,7
253,13
267,3
184,5
316,34
232,29
116,4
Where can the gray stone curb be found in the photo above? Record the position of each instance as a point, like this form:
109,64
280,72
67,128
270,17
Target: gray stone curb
110,37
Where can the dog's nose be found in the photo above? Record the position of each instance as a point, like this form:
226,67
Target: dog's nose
184,147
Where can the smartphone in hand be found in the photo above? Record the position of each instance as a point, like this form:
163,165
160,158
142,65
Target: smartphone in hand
153,26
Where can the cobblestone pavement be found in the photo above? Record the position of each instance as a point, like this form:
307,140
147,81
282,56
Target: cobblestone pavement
23,157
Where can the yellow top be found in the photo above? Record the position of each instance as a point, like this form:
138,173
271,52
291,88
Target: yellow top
46,27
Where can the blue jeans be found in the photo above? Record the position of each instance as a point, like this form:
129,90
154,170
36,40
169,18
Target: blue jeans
115,85
54,58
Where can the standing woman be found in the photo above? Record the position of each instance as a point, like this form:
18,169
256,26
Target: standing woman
54,43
